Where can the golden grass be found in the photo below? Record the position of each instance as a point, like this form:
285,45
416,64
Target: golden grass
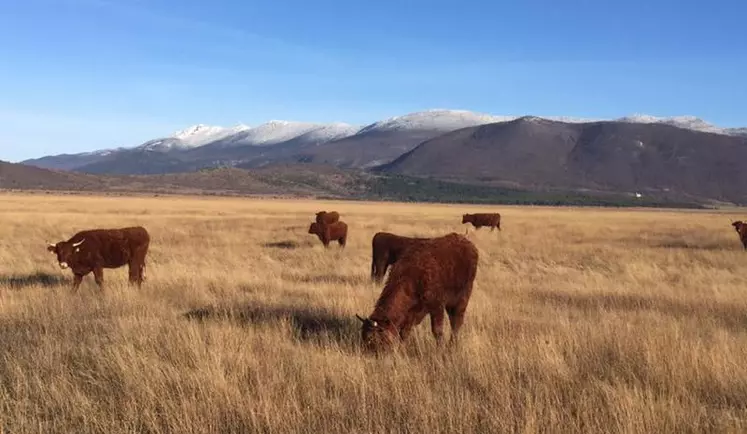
582,320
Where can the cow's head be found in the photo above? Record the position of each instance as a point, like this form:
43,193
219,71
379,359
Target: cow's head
738,226
378,334
466,218
65,251
314,228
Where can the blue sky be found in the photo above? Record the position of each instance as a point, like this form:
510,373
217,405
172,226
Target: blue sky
79,75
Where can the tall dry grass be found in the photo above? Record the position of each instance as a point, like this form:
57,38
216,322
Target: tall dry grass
581,321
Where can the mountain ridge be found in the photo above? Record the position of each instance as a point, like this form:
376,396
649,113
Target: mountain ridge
653,156
200,135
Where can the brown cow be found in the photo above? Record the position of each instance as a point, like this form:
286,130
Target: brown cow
94,250
386,249
330,232
741,229
428,278
327,217
479,220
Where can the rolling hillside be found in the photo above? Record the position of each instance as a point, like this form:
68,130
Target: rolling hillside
608,156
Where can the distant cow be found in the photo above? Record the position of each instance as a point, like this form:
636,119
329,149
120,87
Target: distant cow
434,276
741,229
94,250
480,220
386,250
327,217
330,232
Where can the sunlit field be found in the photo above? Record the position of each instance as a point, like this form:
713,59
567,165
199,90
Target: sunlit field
581,320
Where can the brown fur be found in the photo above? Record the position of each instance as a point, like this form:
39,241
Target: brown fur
330,232
386,250
327,217
480,220
94,250
434,276
741,229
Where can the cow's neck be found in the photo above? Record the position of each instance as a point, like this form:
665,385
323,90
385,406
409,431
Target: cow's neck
394,304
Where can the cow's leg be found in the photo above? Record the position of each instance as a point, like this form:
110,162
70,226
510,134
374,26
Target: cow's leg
456,319
437,324
137,266
98,275
135,273
77,279
342,242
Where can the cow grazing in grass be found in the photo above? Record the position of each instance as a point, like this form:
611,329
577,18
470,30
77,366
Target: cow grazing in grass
741,229
386,250
327,217
330,232
480,220
94,250
433,276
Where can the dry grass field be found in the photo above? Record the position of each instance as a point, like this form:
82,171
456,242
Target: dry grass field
582,320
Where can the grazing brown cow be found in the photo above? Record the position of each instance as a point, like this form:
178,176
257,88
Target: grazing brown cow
433,276
480,220
386,249
327,217
330,232
94,250
741,229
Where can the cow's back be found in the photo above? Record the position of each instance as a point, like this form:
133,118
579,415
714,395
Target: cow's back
115,247
324,217
391,244
441,265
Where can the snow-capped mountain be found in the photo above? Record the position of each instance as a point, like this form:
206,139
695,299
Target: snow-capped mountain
436,119
687,122
198,135
192,137
328,133
269,133
334,143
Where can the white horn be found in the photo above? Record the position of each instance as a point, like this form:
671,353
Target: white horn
78,243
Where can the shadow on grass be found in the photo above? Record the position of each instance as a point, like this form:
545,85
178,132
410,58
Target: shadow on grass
18,281
289,245
682,244
334,279
729,316
309,324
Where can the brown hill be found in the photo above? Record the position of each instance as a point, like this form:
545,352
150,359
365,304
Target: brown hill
608,156
309,180
22,177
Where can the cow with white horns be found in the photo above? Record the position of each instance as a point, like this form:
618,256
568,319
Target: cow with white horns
93,250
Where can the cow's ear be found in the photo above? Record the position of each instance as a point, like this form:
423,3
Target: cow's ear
51,248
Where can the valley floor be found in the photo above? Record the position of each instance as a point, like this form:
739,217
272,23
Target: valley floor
582,320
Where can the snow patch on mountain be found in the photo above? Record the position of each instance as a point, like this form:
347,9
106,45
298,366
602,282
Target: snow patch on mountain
328,133
687,122
191,137
436,119
269,133
200,134
736,131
